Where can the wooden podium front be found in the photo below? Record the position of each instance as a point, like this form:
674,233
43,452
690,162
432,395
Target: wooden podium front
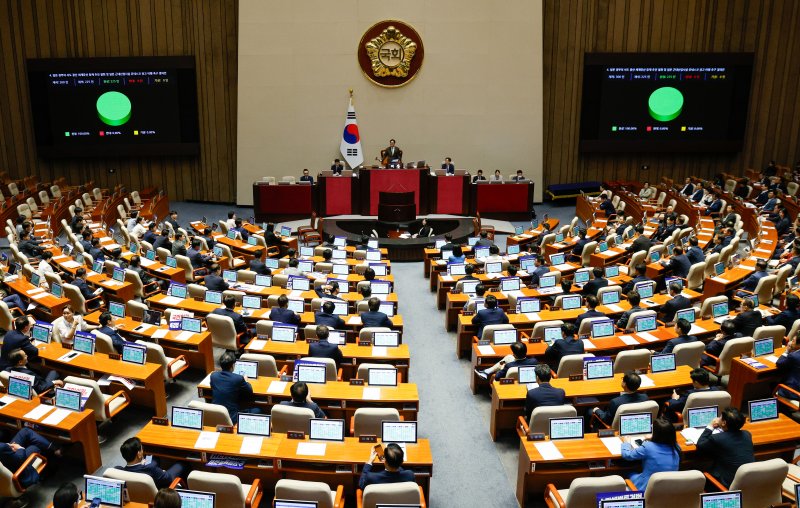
375,181
397,207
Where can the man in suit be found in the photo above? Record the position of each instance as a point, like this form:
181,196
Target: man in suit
491,315
106,328
80,282
25,443
666,230
66,496
630,384
772,202
329,290
150,235
18,338
676,302
213,281
484,241
282,314
172,220
337,167
701,382
393,471
327,318
714,207
96,252
633,299
682,328
784,224
577,249
789,367
206,236
641,271
695,254
469,270
748,319
163,241
239,228
179,245
425,230
478,177
729,219
641,242
728,449
19,363
392,153
307,177
374,317
727,331
591,302
698,195
135,462
323,348
258,266
538,270
595,284
544,394
86,240
197,259
751,282
517,358
607,206
229,389
688,188
518,177
301,398
568,344
229,301
135,265
449,166
789,315
448,244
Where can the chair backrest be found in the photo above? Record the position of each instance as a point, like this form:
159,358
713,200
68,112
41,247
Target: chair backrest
103,343
155,354
227,487
141,487
548,239
213,414
586,325
286,418
571,365
689,353
782,275
330,366
696,275
587,252
488,331
163,254
298,490
367,332
538,328
608,289
583,491
732,349
266,363
196,291
777,332
667,489
246,276
708,303
632,359
765,289
367,420
648,406
711,260
719,398
395,493
223,333
95,402
760,482
6,318
185,265
633,316
135,309
540,417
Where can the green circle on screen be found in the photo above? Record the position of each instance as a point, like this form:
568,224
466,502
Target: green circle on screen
665,104
114,108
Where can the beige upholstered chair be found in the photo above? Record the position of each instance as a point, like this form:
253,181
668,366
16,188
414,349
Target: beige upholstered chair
230,491
367,420
319,492
386,493
286,418
582,492
213,414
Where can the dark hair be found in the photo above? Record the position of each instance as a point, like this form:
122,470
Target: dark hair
632,380
369,273
373,304
327,254
322,331
597,271
728,327
494,249
105,318
15,356
674,287
226,360
664,432
519,350
792,301
480,289
215,267
469,268
365,290
294,262
684,326
700,376
80,272
734,419
47,255
66,496
393,455
641,268
299,391
328,307
457,251
490,302
196,245
761,264
591,301
283,301
693,241
748,303
543,372
448,237
130,448
230,301
568,329
167,498
634,298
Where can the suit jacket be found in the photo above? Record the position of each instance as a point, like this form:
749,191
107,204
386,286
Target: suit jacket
149,237
197,259
87,246
577,249
714,207
97,254
172,222
12,460
673,305
392,152
337,169
376,318
324,349
484,242
537,273
714,347
622,322
215,283
544,395
688,189
318,413
789,366
679,265
665,232
329,320
116,340
747,322
695,255
608,208
783,226
769,206
163,242
485,317
729,450
698,195
786,319
229,389
677,341
679,404
585,315
632,284
593,286
284,316
258,266
516,363
238,320
607,415
40,384
451,169
640,243
161,478
179,249
307,178
16,340
751,281
368,477
83,287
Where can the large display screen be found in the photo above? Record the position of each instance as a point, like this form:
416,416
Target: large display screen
96,107
665,102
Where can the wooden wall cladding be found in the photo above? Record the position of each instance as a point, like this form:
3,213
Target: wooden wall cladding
109,28
768,28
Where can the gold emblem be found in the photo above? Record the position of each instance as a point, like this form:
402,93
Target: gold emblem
391,53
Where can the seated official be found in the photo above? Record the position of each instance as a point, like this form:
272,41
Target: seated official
327,318
641,242
18,338
329,291
577,249
641,271
206,236
25,443
240,230
789,367
497,176
595,284
728,449
448,244
135,265
480,292
425,230
229,301
751,282
149,236
172,220
374,317
748,319
71,323
231,222
478,177
80,282
633,299
282,313
337,167
630,386
41,384
784,224
539,269
676,302
688,188
196,257
45,268
179,245
592,312
647,192
518,177
517,358
393,471
107,328
491,315
701,382
607,206
568,344
229,389
293,269
138,229
659,453
214,281
457,256
665,231
323,348
494,255
307,177
714,207
727,331
544,394
469,271
483,240
682,328
135,462
695,254
678,264
162,241
67,496
301,398
448,166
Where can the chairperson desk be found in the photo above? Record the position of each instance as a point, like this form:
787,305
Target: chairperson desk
338,195
48,305
339,399
148,378
374,181
449,194
196,348
748,383
282,202
508,401
77,428
278,457
591,457
502,198
285,353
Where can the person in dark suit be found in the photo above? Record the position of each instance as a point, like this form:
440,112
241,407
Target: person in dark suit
678,264
135,265
750,283
701,382
374,317
449,166
783,225
258,266
163,241
568,344
392,153
729,219
688,188
131,451
229,389
484,241
307,177
641,242
698,195
607,206
728,449
448,244
19,363
682,328
25,443
213,281
197,259
789,367
592,312
328,318
229,301
545,394
329,291
80,282
337,167
577,249
676,302
282,314
695,254
239,228
425,230
106,328
517,358
539,269
66,496
641,271
749,319
301,398
172,220
633,299
150,235
491,315
478,177
323,348
206,236
518,177
96,252
788,316
727,331
596,283
714,207
393,471
86,240
630,384
18,338
666,230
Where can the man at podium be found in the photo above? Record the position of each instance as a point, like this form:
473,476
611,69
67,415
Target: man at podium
449,166
392,156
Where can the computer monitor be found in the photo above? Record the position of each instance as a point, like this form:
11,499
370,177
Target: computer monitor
602,246
152,317
339,307
527,263
526,374
380,287
172,262
41,333
645,324
528,305
386,339
98,267
468,286
382,377
340,269
251,302
481,251
518,230
512,250
399,432
582,276
116,309
645,289
253,424
311,373
662,363
297,306
611,271
109,491
187,418
68,399
547,281
552,334
372,243
719,268
599,369
505,337
472,240
151,254
729,499
246,368
272,263
622,503
56,290
719,309
571,302
177,290
446,254
610,298
635,423
754,298
673,280
342,254
689,314
326,429
557,259
229,276
655,256
83,342
764,347
191,324
338,337
339,241
566,428
510,284
197,499
134,353
118,275
387,308
36,280
305,266
299,284
232,234
700,417
602,329
380,269
559,237
19,387
286,231
283,333
214,297
495,267
306,252
763,410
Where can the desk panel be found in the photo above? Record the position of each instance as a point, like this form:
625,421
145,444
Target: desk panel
503,197
272,202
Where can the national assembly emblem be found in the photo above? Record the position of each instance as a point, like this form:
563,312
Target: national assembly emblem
390,53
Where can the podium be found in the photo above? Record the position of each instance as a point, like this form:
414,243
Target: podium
396,207
374,181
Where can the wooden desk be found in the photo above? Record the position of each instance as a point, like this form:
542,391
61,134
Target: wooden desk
747,383
149,378
119,291
443,284
287,242
732,277
164,272
47,304
528,236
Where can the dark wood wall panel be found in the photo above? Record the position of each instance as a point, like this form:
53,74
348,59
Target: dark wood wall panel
768,28
107,28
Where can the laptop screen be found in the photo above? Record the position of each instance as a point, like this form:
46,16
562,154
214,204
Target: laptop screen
342,254
387,308
687,314
341,269
187,418
602,329
109,491
116,309
283,333
512,249
762,410
272,263
380,287
582,276
152,317
763,347
306,252
557,259
19,387
214,297
671,280
305,266
191,324
41,333
172,262
472,240
251,302
547,281
297,306
326,429
571,302
456,269
195,499
311,373
612,271
730,499
662,363
493,267
83,342
382,377
399,432
118,275
386,339
700,417
566,428
56,290
635,423
526,374
68,399
610,298
373,244
380,269
527,263
177,290
602,246
36,280
337,337
552,334
645,289
97,266
134,353
510,284
505,337
253,424
599,369
719,309
286,231
481,252
246,369
719,268
646,323
527,305
468,286
339,241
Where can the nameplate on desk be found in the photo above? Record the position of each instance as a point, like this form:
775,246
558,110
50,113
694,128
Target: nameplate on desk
364,343
295,434
159,420
534,340
455,291
483,342
606,433
507,381
286,377
66,346
367,438
356,382
536,436
468,313
225,429
576,377
114,356
311,340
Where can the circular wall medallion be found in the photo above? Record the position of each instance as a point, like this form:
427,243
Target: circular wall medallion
390,53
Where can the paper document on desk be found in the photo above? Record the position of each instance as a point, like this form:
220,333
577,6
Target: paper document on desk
258,344
34,291
142,327
305,448
71,264
646,381
614,307
614,444
548,450
587,344
522,273
39,296
563,267
532,316
38,412
380,351
160,333
127,383
112,246
696,329
447,278
371,393
354,320
295,294
647,336
277,387
7,399
56,417
184,336
692,434
207,440
772,358
630,341
146,262
251,445
171,300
